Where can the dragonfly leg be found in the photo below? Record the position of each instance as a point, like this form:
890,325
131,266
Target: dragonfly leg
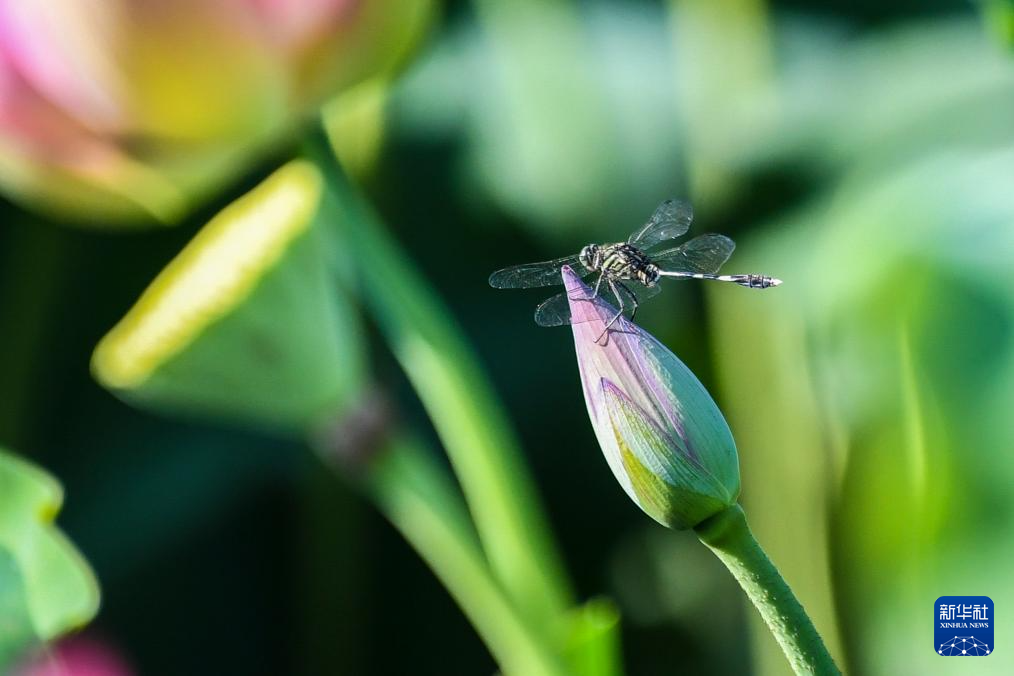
619,313
633,299
595,293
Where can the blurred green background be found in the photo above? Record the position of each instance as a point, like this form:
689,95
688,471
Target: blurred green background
863,152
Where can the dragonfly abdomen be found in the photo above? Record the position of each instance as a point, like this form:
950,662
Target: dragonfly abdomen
749,281
649,275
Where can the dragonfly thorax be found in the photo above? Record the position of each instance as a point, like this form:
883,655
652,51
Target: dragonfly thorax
620,261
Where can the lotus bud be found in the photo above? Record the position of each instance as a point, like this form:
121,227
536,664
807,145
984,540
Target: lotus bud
247,322
662,434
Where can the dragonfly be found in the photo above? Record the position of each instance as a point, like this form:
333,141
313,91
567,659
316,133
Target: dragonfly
629,272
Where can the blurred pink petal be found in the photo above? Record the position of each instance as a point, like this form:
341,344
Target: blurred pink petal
295,23
62,48
78,656
128,111
33,129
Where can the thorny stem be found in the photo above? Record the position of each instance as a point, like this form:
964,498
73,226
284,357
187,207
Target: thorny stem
728,536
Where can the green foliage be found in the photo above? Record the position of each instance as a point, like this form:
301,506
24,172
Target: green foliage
999,17
575,123
887,350
46,588
17,632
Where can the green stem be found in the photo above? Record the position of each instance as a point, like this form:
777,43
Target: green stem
459,400
728,536
413,493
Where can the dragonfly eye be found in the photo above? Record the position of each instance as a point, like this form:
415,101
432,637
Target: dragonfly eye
589,256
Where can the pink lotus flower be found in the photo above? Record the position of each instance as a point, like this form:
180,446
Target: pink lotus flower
662,434
133,109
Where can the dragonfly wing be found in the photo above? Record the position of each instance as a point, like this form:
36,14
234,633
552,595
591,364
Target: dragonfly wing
704,254
671,219
641,292
555,310
530,275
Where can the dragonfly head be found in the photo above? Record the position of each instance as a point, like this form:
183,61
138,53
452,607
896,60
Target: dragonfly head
591,257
